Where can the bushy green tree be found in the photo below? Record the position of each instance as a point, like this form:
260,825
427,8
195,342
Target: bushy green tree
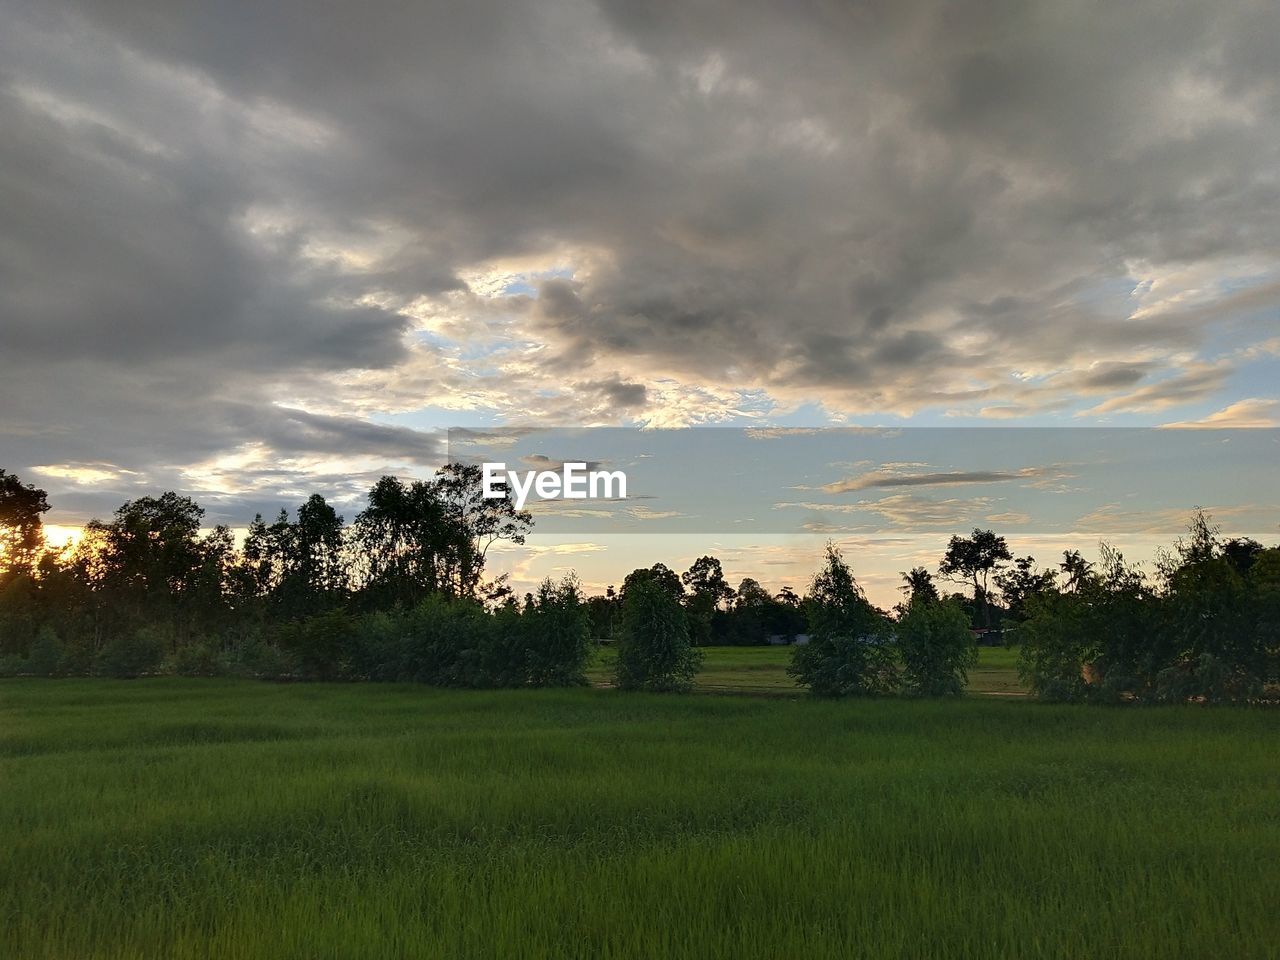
655,652
936,648
848,653
556,636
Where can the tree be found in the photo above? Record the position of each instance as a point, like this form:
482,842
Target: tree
848,653
1102,642
971,560
660,574
474,523
706,579
655,652
708,589
403,537
1241,552
1075,569
918,584
318,544
21,527
936,647
299,566
144,561
1021,583
557,636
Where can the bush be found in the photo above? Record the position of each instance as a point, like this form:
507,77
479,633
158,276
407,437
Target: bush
848,653
321,645
200,658
655,652
936,648
131,655
556,635
1056,644
1207,679
254,657
47,655
442,641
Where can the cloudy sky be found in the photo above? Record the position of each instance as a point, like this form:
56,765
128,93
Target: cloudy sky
253,250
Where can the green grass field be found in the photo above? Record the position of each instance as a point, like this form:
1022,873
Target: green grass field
762,671
174,818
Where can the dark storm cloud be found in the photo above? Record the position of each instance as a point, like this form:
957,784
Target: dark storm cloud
214,215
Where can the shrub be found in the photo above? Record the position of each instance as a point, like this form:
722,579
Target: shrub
556,635
47,654
935,647
441,641
255,657
848,653
1208,679
1056,644
321,645
131,655
655,652
200,658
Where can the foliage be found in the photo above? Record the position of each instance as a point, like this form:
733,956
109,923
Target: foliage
132,655
971,560
1023,582
400,594
556,636
21,526
269,821
936,648
848,653
918,585
655,652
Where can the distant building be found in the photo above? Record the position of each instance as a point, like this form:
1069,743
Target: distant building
988,636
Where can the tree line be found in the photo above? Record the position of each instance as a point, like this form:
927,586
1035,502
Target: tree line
400,593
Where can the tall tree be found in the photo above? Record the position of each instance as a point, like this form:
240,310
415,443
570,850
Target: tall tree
476,523
1076,570
971,560
707,590
918,585
1023,582
846,654
403,538
22,507
659,573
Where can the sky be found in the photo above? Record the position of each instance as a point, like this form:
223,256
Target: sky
249,251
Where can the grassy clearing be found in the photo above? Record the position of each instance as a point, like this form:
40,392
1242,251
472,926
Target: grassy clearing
763,671
180,819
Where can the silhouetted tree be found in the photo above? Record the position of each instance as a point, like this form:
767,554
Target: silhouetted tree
1076,570
708,589
475,523
1021,583
660,574
21,526
918,584
971,560
403,536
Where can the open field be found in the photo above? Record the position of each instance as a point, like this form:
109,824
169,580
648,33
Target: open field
762,671
188,818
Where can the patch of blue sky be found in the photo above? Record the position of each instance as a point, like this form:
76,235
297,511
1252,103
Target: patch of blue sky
724,480
525,284
438,418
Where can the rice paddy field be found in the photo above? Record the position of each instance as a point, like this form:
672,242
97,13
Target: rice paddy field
762,671
168,818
